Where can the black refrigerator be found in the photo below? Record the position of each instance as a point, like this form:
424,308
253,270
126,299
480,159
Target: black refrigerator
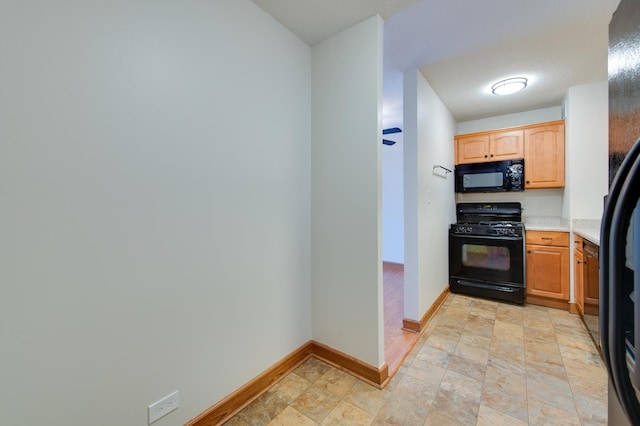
620,227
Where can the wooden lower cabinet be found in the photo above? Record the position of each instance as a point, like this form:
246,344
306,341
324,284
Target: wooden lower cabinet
591,279
578,278
548,268
586,276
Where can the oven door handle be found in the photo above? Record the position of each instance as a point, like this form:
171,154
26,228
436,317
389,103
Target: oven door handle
488,237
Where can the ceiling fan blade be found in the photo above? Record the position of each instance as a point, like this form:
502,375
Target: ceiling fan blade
388,142
391,130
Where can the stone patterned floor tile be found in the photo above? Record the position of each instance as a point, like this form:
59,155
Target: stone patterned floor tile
509,330
367,397
426,371
505,381
264,409
543,414
443,343
467,368
462,386
541,344
346,413
466,349
506,398
510,314
416,391
456,406
291,417
587,357
236,421
490,417
434,356
312,369
290,387
399,411
337,382
592,411
512,364
316,403
545,363
584,370
438,418
550,390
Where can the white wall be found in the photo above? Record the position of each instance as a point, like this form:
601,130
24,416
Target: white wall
587,142
429,194
535,202
346,194
511,120
393,200
154,177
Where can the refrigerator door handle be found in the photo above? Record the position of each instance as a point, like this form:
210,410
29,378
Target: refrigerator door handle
619,209
607,302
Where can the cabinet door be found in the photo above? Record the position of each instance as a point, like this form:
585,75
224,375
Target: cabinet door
506,145
472,149
591,280
548,271
579,279
544,157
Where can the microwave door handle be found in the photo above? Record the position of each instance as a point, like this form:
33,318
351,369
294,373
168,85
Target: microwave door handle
627,201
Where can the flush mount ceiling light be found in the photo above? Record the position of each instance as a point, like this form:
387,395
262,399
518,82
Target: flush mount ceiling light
509,86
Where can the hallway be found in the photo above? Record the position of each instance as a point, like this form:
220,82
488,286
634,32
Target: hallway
397,342
478,362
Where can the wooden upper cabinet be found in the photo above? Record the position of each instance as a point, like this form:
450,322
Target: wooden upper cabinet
472,149
544,156
541,146
506,145
490,146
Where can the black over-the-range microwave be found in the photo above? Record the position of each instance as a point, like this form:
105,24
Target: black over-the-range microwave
495,176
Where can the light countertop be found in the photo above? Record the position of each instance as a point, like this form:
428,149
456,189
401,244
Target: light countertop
545,223
586,228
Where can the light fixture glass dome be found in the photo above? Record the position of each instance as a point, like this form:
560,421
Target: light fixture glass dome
509,86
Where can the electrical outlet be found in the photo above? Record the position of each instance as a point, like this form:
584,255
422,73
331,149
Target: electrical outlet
163,407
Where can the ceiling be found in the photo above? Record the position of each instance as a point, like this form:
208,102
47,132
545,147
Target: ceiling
463,46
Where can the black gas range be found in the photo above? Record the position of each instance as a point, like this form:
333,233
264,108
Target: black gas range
486,251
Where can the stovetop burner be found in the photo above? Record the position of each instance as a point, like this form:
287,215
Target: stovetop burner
484,219
488,212
497,224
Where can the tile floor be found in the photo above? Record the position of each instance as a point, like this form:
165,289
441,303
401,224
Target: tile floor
478,363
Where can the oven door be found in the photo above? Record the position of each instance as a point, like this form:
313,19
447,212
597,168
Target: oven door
487,266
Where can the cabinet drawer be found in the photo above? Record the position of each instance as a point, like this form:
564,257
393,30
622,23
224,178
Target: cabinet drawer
577,242
548,238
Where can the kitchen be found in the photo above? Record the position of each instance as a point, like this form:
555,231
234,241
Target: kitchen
571,209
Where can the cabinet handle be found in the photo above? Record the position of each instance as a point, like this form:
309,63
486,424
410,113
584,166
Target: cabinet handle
528,251
485,156
546,238
528,182
491,155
